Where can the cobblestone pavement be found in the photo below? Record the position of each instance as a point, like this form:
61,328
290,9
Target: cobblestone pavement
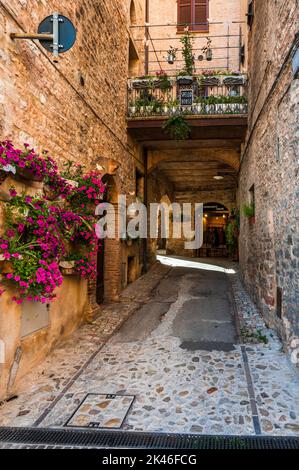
250,389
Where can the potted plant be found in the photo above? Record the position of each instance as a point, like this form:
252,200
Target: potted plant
177,127
249,212
173,105
171,55
132,108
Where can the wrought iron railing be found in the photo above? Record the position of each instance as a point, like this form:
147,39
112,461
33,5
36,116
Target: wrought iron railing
160,95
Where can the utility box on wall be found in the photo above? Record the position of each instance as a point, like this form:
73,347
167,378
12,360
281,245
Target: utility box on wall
35,316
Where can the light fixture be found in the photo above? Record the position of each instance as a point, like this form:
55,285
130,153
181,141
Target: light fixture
218,177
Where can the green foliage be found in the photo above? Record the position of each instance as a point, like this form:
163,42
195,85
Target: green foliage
177,127
249,210
221,99
253,336
72,171
148,100
187,52
232,232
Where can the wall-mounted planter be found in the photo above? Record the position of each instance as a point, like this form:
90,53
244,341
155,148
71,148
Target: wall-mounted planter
184,80
29,175
28,187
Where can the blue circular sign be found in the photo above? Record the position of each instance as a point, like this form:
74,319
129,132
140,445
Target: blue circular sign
67,33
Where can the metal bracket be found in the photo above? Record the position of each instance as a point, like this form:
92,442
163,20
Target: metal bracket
45,37
55,36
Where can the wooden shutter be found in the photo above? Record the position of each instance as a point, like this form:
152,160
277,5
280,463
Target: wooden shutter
200,15
184,13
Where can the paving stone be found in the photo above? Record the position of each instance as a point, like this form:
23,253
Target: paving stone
170,384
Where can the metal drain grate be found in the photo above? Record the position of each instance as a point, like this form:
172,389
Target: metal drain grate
101,411
135,440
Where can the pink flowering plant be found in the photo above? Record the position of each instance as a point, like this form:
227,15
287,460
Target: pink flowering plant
88,194
26,161
33,245
39,233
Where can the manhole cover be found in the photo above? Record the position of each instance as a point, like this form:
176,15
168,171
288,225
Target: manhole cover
101,411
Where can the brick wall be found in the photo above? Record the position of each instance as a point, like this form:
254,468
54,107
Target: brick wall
229,13
270,247
76,109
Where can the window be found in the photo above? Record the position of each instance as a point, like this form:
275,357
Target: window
193,13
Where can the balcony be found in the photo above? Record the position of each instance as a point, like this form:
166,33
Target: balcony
217,94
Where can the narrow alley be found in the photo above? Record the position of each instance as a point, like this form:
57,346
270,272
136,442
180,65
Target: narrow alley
178,364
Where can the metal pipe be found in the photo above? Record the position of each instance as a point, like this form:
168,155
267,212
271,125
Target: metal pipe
203,38
147,14
40,37
172,25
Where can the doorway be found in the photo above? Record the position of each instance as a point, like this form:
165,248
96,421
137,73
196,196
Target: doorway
214,235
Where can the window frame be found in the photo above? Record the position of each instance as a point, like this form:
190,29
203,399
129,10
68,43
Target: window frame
200,28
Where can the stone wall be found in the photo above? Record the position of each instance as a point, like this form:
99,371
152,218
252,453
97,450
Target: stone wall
76,109
269,248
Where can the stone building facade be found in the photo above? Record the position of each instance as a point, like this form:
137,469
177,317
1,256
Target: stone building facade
269,174
75,109
225,27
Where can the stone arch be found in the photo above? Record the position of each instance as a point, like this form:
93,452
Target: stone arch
229,157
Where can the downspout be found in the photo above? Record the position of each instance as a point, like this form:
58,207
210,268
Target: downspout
146,51
145,240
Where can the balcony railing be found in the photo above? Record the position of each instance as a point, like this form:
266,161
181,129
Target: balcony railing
214,94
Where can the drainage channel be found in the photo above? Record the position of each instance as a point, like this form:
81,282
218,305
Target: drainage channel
97,439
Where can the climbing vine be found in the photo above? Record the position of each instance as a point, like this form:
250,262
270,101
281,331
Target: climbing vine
187,52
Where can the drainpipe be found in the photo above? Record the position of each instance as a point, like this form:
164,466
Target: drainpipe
146,52
144,240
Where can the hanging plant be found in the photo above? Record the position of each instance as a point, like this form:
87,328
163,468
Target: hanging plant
187,52
171,55
177,127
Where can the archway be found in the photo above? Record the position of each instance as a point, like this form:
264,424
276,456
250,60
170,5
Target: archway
133,16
